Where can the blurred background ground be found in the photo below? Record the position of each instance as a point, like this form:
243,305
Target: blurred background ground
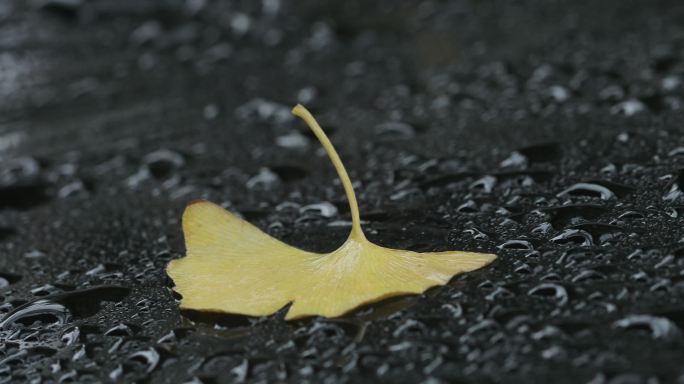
547,132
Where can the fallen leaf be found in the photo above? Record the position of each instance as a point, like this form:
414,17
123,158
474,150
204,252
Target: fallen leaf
232,266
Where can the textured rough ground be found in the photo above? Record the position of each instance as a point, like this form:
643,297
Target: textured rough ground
547,132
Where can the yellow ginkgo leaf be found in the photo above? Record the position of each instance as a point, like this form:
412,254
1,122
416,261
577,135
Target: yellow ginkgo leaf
233,267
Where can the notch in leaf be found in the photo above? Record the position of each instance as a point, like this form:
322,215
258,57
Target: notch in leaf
233,267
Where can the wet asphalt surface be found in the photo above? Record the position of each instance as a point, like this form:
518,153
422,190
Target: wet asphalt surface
548,132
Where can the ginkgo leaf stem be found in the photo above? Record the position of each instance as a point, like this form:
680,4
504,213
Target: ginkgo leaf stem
304,114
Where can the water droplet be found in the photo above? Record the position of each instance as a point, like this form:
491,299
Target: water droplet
323,209
588,189
674,192
574,236
658,327
556,291
485,184
395,130
43,311
8,278
70,335
149,357
628,107
265,179
162,163
146,32
264,110
121,330
468,207
516,244
293,140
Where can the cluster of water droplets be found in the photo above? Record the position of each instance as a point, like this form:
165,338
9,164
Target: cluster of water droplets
560,166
